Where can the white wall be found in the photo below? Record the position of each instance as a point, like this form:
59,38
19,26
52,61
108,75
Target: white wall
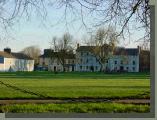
86,66
127,62
13,64
55,63
1,67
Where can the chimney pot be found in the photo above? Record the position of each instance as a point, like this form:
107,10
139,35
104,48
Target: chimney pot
8,50
78,45
48,51
139,48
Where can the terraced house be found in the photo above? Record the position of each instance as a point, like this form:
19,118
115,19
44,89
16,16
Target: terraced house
52,62
10,61
122,59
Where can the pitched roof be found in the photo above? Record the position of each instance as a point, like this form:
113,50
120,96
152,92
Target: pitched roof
5,54
90,48
14,55
117,50
21,56
55,54
85,48
126,51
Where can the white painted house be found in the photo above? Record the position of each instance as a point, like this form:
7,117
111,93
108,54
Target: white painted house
122,59
10,61
85,60
50,60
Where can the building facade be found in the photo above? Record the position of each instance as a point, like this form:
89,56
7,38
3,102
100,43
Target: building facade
12,62
86,61
52,62
122,59
144,61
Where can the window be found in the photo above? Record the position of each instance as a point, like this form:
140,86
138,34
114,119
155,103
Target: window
121,62
87,67
81,60
96,67
87,61
115,68
133,62
133,68
43,63
1,60
81,53
57,62
69,61
81,67
87,53
107,61
127,68
115,62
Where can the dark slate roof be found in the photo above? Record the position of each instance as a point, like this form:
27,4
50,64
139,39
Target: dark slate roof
21,56
117,51
126,51
90,48
85,48
54,54
14,55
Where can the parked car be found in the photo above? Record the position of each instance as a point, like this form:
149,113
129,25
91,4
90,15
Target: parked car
41,68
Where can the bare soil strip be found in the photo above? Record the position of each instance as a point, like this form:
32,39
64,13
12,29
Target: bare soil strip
133,101
124,101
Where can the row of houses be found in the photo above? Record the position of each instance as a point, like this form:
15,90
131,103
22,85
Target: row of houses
122,59
50,60
85,61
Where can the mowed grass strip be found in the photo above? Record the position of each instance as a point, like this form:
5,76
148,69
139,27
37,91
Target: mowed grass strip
75,108
73,75
76,85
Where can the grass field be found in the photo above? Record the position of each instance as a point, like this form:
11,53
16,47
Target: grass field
76,108
24,85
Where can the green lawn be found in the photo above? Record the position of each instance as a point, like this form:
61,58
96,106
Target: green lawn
30,85
75,108
75,85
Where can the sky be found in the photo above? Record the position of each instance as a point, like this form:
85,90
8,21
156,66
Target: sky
39,32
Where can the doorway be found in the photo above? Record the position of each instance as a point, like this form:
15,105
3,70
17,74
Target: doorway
121,68
54,68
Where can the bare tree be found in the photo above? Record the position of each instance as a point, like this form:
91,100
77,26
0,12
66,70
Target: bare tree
123,14
120,13
19,8
62,48
144,60
33,52
102,45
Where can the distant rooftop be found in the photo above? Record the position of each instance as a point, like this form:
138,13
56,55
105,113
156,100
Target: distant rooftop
50,53
117,51
8,54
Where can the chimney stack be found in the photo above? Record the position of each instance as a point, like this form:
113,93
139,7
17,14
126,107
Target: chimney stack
139,48
78,45
7,50
48,51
